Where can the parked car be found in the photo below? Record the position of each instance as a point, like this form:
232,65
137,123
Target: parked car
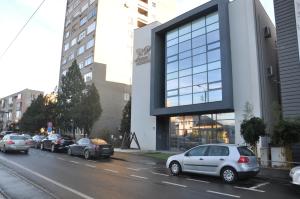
91,148
55,142
3,133
28,139
37,139
12,142
230,162
295,175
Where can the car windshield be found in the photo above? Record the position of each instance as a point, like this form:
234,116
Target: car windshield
98,141
244,151
17,137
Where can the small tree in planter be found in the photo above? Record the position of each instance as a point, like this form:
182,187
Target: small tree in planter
286,133
251,130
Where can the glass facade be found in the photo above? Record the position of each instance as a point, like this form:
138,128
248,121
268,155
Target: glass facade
189,131
193,63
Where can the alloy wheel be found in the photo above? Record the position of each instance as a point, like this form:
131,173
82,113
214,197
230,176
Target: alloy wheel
87,154
229,175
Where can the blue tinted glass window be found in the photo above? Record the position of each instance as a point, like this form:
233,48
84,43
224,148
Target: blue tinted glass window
214,65
200,78
172,42
198,32
184,46
184,91
213,55
172,34
213,36
185,81
199,41
185,72
172,75
172,67
213,46
214,75
172,84
199,50
172,50
172,101
212,27
199,69
185,99
199,59
200,88
185,63
185,29
215,95
171,59
199,98
185,37
172,93
212,18
185,54
199,23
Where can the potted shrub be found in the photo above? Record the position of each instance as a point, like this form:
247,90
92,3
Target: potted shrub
286,133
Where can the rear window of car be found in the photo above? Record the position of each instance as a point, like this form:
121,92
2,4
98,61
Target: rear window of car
244,151
98,141
17,138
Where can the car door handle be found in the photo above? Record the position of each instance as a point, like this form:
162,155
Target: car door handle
201,159
221,159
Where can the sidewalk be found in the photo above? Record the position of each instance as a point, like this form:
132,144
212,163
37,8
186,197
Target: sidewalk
14,186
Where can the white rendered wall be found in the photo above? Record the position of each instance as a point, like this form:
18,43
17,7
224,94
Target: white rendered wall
244,61
116,21
142,123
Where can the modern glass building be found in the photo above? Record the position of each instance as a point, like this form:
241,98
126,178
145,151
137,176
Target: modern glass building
205,66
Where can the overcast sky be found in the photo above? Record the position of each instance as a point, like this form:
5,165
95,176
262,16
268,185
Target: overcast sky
33,60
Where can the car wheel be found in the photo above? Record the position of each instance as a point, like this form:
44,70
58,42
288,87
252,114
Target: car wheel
229,175
87,154
4,149
52,148
175,168
70,151
42,146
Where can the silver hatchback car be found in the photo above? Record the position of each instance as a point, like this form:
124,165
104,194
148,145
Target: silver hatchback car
228,161
13,142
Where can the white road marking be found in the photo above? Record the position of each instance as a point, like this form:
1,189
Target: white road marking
48,179
170,183
161,174
259,185
74,162
139,177
113,171
92,161
190,179
132,169
223,194
89,165
250,189
61,158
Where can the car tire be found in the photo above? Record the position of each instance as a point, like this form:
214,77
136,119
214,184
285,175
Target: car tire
175,168
26,152
52,148
4,149
42,146
70,151
87,154
229,175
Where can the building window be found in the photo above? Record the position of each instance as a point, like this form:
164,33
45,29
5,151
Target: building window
77,12
18,115
81,65
73,42
3,103
189,131
88,61
81,35
84,7
66,47
91,28
92,14
10,100
83,21
80,50
76,3
64,61
19,96
126,96
64,72
88,77
90,43
9,116
71,56
68,22
193,63
67,34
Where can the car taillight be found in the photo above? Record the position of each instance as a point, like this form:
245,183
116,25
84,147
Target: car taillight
243,159
28,142
10,142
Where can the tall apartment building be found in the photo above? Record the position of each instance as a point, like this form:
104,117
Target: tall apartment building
13,106
99,35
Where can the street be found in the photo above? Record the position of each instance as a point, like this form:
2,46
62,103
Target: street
125,175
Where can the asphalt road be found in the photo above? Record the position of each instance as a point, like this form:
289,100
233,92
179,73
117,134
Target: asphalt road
58,175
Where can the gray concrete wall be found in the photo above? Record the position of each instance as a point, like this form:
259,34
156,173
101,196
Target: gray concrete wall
288,56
